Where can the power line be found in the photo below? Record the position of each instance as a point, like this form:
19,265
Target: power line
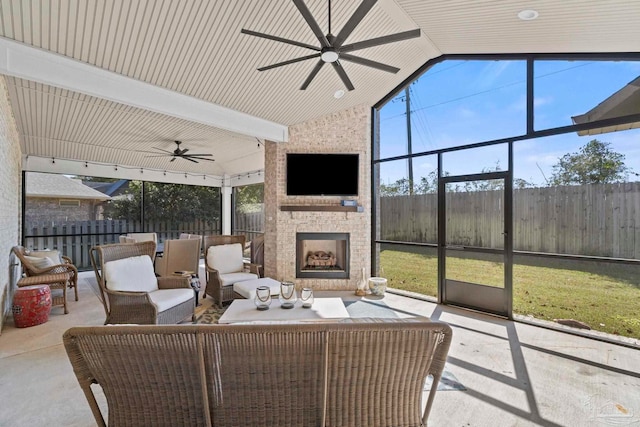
488,90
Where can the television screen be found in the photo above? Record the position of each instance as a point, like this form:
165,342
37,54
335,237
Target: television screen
322,174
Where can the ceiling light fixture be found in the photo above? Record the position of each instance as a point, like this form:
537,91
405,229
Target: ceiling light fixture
329,54
338,94
528,14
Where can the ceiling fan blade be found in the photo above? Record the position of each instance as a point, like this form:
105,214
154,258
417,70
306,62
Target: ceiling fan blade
369,63
159,155
173,159
201,158
290,61
392,38
191,160
279,39
342,74
353,22
160,149
194,155
313,73
306,14
183,151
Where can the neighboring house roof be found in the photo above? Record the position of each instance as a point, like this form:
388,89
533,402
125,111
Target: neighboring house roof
624,102
108,188
60,186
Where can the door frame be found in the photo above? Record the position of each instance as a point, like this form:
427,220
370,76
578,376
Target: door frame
507,292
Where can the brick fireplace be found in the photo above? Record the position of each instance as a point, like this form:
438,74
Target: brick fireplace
347,131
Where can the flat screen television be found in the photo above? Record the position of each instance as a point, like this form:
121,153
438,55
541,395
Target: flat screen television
322,174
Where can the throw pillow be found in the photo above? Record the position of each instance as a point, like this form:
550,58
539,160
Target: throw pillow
40,262
54,255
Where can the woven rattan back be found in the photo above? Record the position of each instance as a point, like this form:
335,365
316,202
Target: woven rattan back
318,374
102,254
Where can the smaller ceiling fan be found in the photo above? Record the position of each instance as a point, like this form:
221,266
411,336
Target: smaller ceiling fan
182,153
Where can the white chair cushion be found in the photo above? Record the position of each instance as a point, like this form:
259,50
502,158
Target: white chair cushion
247,288
40,262
167,298
54,255
231,278
225,258
134,274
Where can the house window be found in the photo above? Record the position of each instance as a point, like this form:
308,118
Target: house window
69,203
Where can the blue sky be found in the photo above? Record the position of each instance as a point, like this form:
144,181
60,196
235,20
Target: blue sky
462,102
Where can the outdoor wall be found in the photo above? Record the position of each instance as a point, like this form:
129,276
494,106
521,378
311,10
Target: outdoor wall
348,131
10,182
46,209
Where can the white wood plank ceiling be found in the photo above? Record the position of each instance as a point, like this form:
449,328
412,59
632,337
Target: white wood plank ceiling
194,47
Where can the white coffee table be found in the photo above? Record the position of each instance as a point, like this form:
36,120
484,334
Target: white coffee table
323,309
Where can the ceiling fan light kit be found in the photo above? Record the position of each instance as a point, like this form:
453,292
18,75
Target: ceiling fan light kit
332,48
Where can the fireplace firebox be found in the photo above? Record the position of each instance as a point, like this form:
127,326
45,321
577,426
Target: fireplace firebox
322,255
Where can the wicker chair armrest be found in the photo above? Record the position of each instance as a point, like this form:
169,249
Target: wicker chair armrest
252,268
131,307
174,282
59,268
66,259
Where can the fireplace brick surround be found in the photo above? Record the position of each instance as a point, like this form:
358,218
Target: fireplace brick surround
347,131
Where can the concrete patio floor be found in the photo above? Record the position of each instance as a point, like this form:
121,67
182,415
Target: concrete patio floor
515,374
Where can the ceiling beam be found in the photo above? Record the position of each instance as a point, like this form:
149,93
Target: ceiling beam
38,65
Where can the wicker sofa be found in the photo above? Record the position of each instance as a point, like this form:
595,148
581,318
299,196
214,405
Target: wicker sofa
362,372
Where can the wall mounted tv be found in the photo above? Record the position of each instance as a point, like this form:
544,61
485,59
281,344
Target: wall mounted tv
322,174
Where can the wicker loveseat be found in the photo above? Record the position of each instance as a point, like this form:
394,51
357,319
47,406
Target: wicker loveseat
356,373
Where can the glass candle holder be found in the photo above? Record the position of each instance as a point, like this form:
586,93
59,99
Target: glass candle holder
262,298
306,296
287,296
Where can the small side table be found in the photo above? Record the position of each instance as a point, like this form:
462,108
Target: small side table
55,281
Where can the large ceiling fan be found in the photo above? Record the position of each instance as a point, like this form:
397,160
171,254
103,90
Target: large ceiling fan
332,48
182,154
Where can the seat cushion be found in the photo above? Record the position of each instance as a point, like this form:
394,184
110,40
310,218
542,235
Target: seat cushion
40,262
167,298
225,258
134,274
231,278
247,288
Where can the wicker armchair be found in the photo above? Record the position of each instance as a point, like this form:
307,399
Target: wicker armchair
225,266
30,269
179,255
160,300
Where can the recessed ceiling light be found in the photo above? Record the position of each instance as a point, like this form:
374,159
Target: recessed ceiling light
338,94
528,15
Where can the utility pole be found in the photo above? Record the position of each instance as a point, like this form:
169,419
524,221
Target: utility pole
409,160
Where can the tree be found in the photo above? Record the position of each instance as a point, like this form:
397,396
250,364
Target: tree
594,163
174,203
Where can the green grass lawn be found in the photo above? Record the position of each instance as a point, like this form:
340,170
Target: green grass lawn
606,296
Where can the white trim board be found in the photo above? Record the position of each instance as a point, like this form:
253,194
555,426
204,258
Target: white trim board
38,65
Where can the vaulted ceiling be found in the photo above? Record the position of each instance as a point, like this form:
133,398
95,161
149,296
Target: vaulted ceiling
150,72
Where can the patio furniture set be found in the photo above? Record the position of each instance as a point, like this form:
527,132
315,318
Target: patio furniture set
277,367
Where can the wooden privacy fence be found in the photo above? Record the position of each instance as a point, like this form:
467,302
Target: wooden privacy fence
594,219
75,238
